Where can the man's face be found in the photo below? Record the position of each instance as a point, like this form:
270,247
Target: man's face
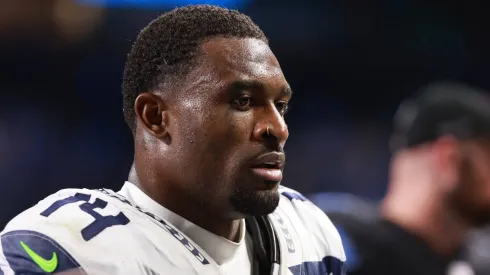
229,130
472,196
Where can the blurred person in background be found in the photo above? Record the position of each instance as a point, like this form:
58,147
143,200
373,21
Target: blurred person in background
439,189
205,99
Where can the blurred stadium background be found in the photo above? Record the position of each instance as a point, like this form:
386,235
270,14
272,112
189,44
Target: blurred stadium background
349,62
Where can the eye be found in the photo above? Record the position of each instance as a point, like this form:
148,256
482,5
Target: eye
282,107
243,103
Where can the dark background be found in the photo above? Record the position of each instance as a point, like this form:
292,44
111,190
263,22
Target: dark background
349,62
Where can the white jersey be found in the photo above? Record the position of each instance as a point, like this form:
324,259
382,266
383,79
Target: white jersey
101,232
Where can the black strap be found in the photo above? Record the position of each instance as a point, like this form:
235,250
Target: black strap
272,240
261,239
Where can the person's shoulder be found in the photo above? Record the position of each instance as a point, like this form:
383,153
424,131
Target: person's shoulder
306,211
95,232
356,234
306,216
71,208
357,221
67,231
369,243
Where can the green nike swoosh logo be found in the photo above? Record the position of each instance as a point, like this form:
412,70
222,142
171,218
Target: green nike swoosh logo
46,265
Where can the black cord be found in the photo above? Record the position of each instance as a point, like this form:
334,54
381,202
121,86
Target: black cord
265,244
272,240
255,230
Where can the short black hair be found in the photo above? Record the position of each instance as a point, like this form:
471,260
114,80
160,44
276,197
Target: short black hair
169,45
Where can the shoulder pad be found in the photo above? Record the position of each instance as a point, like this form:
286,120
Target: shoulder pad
84,212
314,228
291,194
313,218
30,252
69,229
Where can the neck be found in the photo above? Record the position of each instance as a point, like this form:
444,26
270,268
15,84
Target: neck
190,210
200,216
426,217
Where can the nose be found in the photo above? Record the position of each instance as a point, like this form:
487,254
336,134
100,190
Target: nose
271,127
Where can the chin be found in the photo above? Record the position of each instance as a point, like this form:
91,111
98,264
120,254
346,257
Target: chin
255,202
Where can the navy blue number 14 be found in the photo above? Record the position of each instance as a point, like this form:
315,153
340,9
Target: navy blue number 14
100,223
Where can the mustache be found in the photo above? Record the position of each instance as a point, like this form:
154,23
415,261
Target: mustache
263,151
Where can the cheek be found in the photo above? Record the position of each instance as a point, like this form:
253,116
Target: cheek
195,126
227,145
212,136
224,129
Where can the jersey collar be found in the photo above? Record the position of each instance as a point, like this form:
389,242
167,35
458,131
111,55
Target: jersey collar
220,249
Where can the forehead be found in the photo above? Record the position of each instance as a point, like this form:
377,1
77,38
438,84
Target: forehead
242,58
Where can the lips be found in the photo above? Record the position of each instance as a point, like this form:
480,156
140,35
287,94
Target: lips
269,166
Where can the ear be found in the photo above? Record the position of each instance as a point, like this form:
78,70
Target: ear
448,159
152,113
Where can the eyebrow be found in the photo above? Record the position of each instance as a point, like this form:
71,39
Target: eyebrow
287,91
255,84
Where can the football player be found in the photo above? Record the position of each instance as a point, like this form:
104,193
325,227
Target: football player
205,99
